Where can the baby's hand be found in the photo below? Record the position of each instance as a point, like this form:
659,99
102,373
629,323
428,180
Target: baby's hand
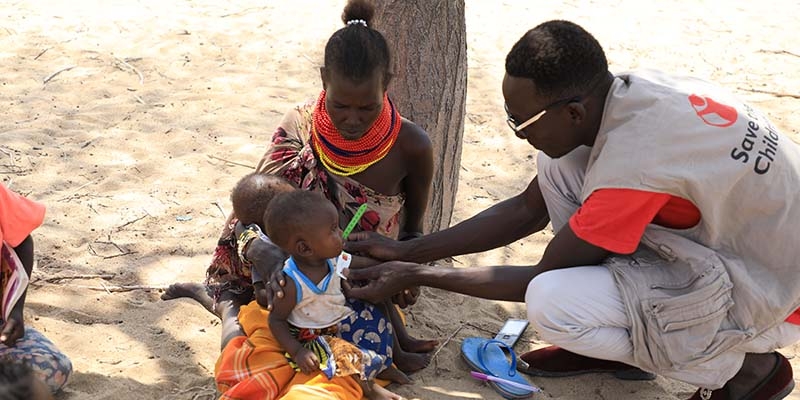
306,360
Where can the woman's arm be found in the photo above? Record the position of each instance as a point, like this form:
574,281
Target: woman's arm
418,157
267,259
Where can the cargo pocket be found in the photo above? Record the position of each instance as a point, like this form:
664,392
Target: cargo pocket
684,320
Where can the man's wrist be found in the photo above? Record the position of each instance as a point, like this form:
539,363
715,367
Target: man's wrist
414,250
417,275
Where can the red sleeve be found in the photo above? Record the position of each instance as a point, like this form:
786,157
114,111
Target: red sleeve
19,216
615,219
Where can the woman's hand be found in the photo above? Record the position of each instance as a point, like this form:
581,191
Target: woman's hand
381,281
371,244
13,329
273,287
268,260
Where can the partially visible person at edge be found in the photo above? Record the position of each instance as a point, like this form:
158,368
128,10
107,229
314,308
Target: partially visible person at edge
22,344
675,210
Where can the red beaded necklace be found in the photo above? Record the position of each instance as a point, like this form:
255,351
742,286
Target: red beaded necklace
348,157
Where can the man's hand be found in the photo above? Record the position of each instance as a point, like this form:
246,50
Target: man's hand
407,297
306,360
13,330
371,244
381,281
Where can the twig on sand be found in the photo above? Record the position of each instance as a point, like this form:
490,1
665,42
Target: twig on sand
131,68
120,288
779,52
76,190
53,75
219,207
231,162
777,94
122,252
132,221
242,12
105,287
446,341
41,53
119,255
58,278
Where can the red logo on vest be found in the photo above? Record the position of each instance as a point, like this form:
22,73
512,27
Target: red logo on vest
713,113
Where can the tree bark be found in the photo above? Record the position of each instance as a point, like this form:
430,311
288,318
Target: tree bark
428,42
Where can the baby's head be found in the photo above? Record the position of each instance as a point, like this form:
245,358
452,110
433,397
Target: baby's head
253,193
19,382
304,224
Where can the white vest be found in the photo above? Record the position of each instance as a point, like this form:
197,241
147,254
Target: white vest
318,306
735,274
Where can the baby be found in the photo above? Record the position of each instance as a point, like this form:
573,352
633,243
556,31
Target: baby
307,320
250,198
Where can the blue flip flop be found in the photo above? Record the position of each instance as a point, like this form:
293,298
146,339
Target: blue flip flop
488,356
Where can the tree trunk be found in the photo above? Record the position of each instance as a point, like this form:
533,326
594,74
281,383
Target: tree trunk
429,51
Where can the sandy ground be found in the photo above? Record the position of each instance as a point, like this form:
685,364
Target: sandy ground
127,147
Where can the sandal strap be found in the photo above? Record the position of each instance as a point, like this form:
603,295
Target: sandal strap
513,370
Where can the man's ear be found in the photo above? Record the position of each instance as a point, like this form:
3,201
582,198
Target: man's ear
302,248
577,112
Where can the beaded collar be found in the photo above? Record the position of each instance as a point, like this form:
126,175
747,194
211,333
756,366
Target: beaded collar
348,157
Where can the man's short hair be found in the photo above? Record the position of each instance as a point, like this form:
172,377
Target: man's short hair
561,58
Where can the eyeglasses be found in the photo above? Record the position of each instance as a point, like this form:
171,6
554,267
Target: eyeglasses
518,128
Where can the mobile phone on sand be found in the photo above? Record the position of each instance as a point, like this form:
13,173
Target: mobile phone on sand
511,331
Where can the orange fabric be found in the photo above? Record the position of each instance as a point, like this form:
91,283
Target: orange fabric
254,367
615,219
19,216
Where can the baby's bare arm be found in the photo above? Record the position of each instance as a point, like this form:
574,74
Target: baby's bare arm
278,324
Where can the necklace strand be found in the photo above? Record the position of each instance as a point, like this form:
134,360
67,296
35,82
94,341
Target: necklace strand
348,157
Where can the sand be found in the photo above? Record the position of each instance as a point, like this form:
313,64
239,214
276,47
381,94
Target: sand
132,120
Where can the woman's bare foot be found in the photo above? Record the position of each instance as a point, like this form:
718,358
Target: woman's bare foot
392,374
406,341
414,345
190,290
411,362
376,392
